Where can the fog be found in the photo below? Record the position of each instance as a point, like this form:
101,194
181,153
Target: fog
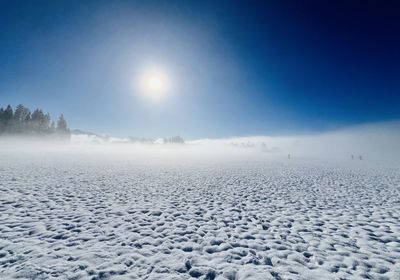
372,142
378,141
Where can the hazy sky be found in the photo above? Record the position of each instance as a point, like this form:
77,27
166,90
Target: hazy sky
233,68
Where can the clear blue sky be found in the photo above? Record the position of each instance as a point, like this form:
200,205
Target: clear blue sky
239,67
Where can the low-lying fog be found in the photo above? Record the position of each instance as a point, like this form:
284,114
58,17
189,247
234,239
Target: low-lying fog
372,142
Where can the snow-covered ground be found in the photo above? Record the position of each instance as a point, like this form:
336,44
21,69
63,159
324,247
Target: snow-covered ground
76,216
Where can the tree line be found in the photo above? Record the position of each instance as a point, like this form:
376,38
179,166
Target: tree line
174,140
22,121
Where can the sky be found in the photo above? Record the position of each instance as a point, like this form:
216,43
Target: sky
233,68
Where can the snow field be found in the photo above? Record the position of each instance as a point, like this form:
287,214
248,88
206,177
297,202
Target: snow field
232,219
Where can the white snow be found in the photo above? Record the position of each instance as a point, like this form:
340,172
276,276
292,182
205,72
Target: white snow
76,215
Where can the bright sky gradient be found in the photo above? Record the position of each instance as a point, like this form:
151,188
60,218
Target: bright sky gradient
234,68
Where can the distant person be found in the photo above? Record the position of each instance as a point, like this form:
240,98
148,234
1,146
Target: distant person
288,156
360,157
352,157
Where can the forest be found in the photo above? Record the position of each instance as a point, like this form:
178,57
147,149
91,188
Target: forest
21,121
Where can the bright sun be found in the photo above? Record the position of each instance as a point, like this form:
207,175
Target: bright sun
155,83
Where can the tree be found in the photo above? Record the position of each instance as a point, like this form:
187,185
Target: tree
37,120
46,123
22,117
175,140
52,127
22,114
62,126
7,118
2,122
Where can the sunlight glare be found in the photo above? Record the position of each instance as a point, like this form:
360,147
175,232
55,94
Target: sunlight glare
155,83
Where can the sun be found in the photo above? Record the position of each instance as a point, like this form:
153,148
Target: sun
155,83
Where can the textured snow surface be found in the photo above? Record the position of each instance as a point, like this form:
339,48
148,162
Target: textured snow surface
226,219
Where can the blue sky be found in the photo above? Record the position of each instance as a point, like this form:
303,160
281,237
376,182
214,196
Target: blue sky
238,67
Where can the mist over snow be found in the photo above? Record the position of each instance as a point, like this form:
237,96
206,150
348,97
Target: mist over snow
377,141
